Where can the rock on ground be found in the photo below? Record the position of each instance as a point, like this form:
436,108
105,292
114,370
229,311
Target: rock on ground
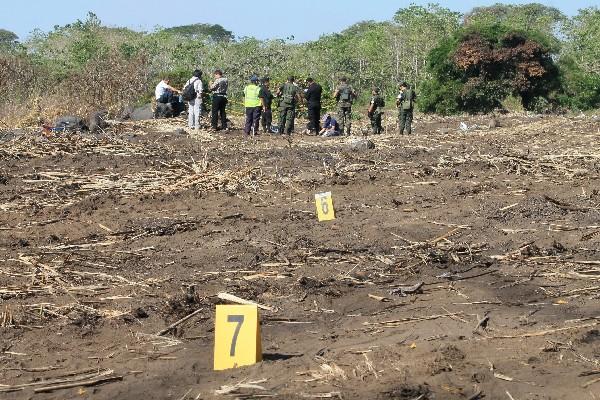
360,145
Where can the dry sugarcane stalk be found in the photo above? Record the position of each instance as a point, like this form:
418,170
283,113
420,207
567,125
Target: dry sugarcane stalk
397,322
177,323
78,376
543,333
91,382
234,299
406,290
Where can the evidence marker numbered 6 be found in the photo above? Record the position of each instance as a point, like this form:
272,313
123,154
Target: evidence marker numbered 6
237,336
324,204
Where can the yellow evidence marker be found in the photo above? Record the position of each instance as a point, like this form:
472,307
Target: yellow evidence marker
324,203
237,337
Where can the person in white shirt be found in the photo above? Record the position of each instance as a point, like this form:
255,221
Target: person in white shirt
195,104
164,92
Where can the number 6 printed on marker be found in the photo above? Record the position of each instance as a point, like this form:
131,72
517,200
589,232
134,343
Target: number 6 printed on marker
239,319
324,205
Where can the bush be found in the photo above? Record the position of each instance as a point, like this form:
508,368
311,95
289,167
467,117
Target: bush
580,89
513,104
480,67
435,97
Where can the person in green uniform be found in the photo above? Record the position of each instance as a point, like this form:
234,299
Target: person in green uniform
405,103
289,95
375,112
267,114
345,96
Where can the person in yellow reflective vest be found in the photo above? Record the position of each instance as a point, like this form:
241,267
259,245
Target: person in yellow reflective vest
254,105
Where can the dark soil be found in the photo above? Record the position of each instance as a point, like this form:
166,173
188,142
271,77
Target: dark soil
107,239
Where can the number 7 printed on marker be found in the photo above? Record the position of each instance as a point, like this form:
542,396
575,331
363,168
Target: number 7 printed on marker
239,319
237,336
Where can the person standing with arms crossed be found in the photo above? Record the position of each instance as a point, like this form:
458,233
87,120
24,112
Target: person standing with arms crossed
219,100
345,96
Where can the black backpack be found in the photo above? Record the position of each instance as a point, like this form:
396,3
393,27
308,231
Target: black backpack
189,92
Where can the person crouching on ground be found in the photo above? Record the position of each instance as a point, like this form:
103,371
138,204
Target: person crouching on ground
330,126
194,99
164,92
254,105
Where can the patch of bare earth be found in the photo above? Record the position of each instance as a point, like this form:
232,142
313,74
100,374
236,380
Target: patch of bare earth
461,265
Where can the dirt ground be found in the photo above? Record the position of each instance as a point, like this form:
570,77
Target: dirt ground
106,240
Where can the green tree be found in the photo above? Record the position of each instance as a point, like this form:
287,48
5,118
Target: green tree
213,32
416,32
7,38
532,17
583,42
580,61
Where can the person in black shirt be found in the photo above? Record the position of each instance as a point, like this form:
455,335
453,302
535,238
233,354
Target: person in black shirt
267,114
312,94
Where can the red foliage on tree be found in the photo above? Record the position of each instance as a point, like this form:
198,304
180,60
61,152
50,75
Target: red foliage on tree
513,62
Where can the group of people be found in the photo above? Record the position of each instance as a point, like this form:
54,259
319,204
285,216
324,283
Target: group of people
258,104
192,93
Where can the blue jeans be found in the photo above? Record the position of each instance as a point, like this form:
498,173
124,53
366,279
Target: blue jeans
166,98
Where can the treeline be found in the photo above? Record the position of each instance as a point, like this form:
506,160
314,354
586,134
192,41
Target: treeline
503,56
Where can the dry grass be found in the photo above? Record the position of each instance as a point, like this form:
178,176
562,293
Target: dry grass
108,82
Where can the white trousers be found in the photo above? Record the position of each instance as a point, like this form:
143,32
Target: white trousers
194,113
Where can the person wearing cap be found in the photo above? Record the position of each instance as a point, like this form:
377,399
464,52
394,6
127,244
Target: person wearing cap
266,116
405,103
254,105
289,97
376,111
312,94
219,100
194,105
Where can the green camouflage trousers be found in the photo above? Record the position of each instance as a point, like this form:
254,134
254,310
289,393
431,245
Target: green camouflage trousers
376,123
345,119
286,120
405,121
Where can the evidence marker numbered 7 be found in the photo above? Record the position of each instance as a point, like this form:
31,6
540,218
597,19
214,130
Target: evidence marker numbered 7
324,203
237,336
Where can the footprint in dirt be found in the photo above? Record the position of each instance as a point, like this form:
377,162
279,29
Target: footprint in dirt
591,336
407,392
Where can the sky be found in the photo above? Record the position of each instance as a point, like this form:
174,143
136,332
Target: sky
302,19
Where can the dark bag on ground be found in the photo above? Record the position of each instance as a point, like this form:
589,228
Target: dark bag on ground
70,124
